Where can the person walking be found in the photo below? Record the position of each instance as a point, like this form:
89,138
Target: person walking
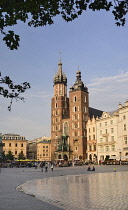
46,167
52,167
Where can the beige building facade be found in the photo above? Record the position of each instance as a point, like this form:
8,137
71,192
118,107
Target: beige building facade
14,143
91,140
107,136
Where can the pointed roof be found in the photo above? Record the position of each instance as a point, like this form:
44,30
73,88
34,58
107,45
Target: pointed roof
60,77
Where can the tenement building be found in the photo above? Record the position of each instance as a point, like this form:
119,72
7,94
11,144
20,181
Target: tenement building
69,116
112,134
15,143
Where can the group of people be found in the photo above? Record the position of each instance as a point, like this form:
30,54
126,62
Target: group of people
44,165
89,168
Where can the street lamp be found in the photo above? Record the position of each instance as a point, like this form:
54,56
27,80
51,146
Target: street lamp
120,158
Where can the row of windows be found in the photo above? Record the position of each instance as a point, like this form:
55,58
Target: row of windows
106,139
42,155
106,131
13,137
92,147
89,130
16,144
106,123
75,99
77,109
107,148
93,138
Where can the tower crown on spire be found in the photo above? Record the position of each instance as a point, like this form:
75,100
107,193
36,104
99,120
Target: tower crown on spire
60,77
79,85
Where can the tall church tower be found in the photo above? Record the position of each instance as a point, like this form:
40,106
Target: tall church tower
79,111
59,109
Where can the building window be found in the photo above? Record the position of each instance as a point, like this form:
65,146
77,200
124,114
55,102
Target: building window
75,109
111,122
43,154
85,99
101,140
112,138
90,148
106,139
107,148
75,125
76,148
124,127
89,130
101,149
113,148
74,98
84,109
100,124
16,145
93,129
9,144
106,131
94,146
75,133
105,123
21,145
124,117
112,130
15,152
43,146
100,132
89,138
46,146
75,117
94,137
56,105
125,139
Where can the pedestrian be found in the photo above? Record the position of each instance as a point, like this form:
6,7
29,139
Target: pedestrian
46,167
52,167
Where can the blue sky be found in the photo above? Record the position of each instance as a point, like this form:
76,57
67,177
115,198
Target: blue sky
93,42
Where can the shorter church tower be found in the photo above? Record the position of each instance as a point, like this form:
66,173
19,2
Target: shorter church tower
79,109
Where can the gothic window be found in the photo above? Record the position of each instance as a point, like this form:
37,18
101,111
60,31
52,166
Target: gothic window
66,128
75,98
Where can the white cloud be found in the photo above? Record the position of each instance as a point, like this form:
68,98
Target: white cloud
106,92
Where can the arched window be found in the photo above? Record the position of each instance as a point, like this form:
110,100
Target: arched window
66,128
75,99
56,105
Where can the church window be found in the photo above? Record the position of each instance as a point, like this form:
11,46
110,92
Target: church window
75,98
75,125
75,133
76,148
75,117
56,105
66,128
75,109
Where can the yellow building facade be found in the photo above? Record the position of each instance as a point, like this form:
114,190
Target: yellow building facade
44,150
14,143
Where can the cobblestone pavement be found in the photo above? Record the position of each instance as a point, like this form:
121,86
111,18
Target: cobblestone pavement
65,188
